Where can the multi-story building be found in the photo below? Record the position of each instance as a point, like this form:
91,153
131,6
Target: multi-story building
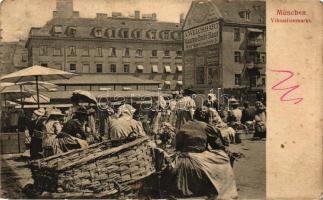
137,45
13,56
224,46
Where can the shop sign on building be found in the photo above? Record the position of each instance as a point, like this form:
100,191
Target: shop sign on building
201,36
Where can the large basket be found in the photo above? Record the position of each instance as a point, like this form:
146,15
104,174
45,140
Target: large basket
103,170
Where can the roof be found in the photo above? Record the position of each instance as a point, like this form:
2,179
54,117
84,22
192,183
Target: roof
97,79
85,26
113,93
230,11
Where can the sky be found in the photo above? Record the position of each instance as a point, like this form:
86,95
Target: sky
18,16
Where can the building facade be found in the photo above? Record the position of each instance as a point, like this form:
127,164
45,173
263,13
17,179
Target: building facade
138,45
224,46
13,56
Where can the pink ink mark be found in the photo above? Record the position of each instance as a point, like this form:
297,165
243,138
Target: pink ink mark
288,90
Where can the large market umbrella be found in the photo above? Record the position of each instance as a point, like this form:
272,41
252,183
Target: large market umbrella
85,96
12,95
36,73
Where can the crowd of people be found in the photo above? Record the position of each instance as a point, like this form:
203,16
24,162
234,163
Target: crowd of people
194,139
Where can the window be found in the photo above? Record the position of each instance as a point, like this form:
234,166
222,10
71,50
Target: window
200,72
139,52
99,68
236,34
140,68
85,51
125,34
57,29
154,68
167,69
86,68
253,80
247,15
152,35
126,52
165,35
237,56
210,74
126,68
138,34
263,81
179,68
71,31
72,51
154,53
113,68
43,51
167,85
72,67
113,52
23,58
179,53
44,64
57,51
263,57
99,51
98,32
237,79
166,53
111,33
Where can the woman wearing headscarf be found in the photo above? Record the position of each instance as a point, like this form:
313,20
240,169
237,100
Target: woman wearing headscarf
125,126
201,165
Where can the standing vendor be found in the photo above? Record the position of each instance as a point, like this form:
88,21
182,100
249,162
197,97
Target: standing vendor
35,129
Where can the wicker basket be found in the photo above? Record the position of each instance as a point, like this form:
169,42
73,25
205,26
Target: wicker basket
104,170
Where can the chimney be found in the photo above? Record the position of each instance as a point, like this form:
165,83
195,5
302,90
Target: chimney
64,8
154,16
101,16
137,14
181,18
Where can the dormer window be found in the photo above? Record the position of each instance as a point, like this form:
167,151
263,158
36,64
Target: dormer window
151,34
71,31
245,15
57,29
124,33
98,32
136,34
165,35
111,33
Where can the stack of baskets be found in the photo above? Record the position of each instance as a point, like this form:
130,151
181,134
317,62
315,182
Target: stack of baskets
105,170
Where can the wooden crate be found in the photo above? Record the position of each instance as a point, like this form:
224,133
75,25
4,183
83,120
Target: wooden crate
12,143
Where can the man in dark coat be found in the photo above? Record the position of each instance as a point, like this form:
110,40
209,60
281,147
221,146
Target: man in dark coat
76,126
248,114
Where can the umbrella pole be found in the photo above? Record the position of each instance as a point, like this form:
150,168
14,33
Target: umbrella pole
22,105
37,89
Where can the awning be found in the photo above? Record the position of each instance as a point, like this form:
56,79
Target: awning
167,69
167,82
179,68
155,68
179,82
255,30
140,67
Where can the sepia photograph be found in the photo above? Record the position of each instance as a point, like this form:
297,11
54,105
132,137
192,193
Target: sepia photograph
133,99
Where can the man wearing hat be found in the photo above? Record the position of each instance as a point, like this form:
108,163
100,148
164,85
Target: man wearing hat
36,133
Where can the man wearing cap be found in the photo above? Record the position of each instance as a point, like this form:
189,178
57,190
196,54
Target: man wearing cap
36,133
